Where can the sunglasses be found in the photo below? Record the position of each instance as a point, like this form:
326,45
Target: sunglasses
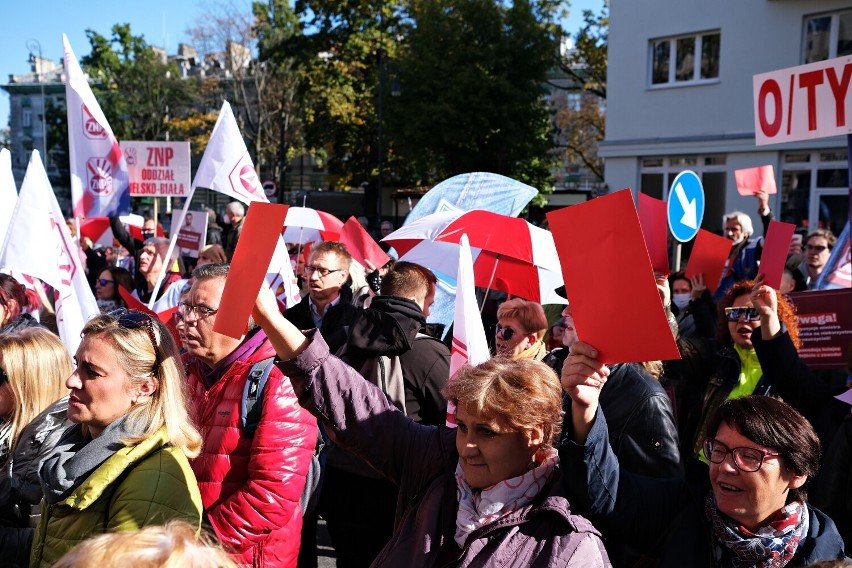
734,314
815,248
129,319
504,333
104,281
4,378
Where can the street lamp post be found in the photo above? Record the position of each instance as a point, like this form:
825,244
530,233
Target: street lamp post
33,45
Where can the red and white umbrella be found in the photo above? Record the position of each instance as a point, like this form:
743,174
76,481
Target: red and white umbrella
98,229
509,253
307,225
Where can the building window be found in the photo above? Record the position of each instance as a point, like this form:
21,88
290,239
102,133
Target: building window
827,36
658,173
815,189
27,118
685,60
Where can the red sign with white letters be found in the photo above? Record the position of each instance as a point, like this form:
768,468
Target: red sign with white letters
804,102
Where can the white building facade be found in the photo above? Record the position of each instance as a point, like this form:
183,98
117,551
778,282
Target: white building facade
680,96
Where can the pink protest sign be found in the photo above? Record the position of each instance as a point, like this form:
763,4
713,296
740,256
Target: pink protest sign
755,180
708,257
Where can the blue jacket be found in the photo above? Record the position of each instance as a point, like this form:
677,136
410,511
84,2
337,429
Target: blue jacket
663,518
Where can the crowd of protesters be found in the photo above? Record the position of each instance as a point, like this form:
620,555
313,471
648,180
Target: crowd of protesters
182,446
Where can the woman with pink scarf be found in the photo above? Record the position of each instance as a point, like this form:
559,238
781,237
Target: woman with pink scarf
487,493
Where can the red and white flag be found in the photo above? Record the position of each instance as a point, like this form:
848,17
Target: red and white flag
40,245
100,184
469,343
8,192
226,166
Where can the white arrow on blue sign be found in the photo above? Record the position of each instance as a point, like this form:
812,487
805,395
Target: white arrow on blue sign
685,206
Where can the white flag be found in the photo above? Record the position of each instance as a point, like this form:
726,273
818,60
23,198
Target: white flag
469,343
226,166
8,192
281,279
40,245
100,184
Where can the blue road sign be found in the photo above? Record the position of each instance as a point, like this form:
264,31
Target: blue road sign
685,206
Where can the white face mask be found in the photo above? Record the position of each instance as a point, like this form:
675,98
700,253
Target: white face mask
681,300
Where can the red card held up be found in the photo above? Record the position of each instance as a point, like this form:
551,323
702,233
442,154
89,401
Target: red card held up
652,219
608,276
708,257
775,249
755,180
361,245
260,234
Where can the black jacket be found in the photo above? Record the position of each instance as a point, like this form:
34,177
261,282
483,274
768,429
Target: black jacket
642,429
334,321
389,327
663,518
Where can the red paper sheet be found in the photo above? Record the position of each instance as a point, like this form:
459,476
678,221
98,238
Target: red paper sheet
754,180
775,248
608,276
708,257
655,228
260,234
361,245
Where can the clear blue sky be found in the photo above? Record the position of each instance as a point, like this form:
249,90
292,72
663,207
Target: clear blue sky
162,22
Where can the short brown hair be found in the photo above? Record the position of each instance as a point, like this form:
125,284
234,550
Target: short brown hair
408,279
335,247
529,314
773,424
826,234
521,394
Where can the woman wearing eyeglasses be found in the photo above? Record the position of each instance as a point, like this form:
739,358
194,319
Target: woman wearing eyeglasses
755,353
106,288
752,513
33,401
123,464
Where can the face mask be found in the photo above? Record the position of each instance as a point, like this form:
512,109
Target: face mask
681,300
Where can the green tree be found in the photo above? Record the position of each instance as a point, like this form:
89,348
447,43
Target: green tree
472,77
136,88
582,125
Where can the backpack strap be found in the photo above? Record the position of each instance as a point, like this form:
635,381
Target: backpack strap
253,394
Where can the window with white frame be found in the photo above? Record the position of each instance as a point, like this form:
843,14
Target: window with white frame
658,172
27,118
827,36
684,60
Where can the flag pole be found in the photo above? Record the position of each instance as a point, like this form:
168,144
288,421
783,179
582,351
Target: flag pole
166,263
490,282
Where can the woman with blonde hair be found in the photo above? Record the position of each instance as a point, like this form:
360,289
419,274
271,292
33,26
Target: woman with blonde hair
124,462
173,545
33,402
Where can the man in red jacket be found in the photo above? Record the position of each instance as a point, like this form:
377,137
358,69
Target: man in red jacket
250,484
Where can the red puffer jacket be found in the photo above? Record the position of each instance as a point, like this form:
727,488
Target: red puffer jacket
250,486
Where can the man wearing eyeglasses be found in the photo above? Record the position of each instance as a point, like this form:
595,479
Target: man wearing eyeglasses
250,482
328,305
818,246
